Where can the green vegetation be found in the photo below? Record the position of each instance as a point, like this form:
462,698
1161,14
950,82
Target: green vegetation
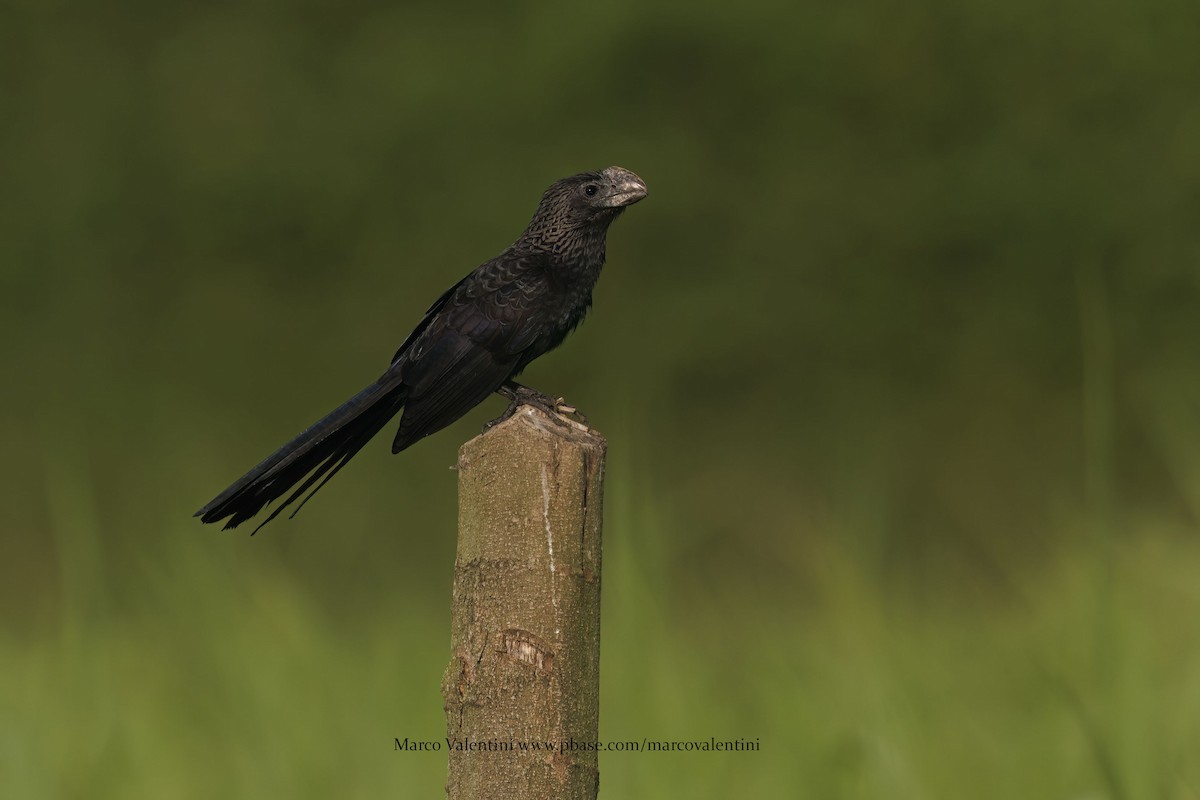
897,364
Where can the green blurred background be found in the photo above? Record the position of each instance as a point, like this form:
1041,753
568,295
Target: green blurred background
897,363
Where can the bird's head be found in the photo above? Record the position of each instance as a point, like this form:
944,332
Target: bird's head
583,202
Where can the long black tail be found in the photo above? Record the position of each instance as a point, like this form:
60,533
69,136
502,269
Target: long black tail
317,453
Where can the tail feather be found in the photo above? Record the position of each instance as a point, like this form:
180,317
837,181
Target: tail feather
319,452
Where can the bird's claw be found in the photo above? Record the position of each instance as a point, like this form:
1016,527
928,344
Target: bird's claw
558,409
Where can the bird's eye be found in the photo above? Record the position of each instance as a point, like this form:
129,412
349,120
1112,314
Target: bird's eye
590,190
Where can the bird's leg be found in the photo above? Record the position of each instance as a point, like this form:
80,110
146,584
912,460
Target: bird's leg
518,395
514,401
555,406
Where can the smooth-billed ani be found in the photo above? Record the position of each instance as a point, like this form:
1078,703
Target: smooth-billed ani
472,341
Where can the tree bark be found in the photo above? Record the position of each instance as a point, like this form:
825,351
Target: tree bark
522,690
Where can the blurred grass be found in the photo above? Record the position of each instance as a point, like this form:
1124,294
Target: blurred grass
224,677
897,363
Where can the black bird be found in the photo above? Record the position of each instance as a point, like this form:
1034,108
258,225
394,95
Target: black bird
473,341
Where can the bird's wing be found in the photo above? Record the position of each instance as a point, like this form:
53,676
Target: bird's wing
472,344
430,314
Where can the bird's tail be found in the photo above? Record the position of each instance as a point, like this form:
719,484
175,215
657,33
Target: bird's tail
315,455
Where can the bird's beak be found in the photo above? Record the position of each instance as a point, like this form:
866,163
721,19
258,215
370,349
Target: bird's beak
624,187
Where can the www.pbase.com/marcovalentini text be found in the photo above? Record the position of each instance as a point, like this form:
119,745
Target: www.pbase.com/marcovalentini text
712,744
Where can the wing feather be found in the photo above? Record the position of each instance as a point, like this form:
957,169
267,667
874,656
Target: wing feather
473,342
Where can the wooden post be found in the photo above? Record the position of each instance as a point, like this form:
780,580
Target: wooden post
522,690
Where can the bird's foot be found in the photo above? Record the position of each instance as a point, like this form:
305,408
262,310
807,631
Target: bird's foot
556,408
